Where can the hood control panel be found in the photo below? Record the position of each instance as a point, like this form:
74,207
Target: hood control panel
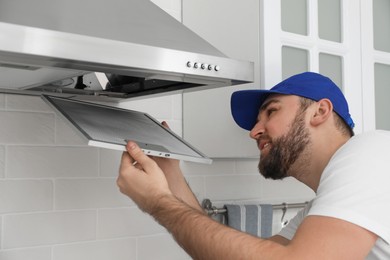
203,66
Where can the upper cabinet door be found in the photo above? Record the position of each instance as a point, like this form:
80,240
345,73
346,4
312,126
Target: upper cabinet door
376,63
317,35
233,27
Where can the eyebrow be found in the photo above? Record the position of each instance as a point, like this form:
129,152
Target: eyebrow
268,103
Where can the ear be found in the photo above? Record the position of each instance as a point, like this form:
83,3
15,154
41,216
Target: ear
322,112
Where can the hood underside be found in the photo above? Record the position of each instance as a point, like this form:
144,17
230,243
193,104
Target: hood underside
110,48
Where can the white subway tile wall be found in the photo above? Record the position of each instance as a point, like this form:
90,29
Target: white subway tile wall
48,228
2,101
26,195
2,161
114,223
35,253
161,247
26,127
51,161
120,249
59,200
1,232
58,197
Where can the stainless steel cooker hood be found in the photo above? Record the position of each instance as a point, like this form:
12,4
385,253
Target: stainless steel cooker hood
113,48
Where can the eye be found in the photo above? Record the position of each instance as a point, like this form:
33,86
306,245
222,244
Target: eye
270,111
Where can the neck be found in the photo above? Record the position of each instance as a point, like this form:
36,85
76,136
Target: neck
315,159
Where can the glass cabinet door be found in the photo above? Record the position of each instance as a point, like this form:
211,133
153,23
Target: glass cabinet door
315,35
329,20
381,60
382,95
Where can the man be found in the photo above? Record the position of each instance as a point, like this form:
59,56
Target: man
303,129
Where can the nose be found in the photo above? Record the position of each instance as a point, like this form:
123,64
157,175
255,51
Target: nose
257,130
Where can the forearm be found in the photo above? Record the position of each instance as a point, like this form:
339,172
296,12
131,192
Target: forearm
146,184
176,181
204,238
180,188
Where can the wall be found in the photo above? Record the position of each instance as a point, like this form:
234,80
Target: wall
59,200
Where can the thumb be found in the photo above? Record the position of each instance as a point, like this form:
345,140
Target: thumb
165,124
139,156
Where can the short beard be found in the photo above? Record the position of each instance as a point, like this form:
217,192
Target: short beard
285,150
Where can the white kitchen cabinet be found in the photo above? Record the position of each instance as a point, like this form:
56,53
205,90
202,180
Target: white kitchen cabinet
329,43
285,37
233,27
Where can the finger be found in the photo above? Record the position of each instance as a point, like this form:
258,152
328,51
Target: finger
165,124
126,159
137,165
126,163
140,157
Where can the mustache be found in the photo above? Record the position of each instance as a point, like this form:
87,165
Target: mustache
263,138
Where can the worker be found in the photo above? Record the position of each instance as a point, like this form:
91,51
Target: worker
303,129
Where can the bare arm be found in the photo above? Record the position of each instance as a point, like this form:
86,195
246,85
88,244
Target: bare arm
203,238
176,181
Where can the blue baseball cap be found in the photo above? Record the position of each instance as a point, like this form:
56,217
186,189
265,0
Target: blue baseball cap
245,104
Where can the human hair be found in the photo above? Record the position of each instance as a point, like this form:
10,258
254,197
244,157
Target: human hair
340,124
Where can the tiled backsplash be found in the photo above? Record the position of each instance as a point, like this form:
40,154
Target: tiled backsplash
59,199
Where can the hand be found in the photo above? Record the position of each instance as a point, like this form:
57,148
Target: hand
141,179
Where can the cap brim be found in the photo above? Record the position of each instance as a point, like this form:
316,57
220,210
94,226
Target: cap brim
245,106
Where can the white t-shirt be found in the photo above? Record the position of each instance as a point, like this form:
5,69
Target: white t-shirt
355,186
